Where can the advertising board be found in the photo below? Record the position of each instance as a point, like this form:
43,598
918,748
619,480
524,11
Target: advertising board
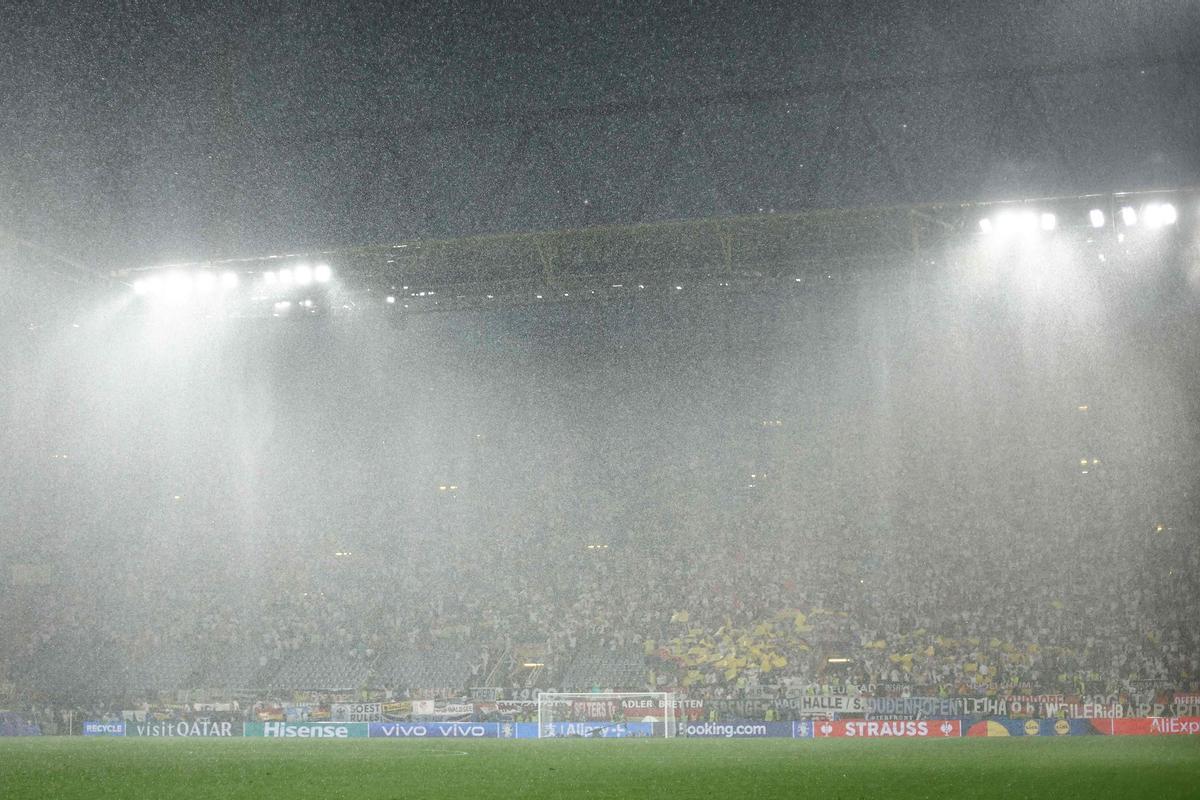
97,728
434,730
177,728
879,729
306,730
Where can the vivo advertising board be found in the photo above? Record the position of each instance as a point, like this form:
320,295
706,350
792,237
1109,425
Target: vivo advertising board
306,730
434,730
507,730
94,728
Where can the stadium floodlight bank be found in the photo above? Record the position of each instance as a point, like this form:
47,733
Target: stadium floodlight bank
606,714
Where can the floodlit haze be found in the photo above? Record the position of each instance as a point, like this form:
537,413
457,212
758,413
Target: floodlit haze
171,466
966,450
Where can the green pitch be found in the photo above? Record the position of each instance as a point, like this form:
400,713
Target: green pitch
1084,767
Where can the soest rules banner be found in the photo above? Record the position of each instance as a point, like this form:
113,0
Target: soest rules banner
357,712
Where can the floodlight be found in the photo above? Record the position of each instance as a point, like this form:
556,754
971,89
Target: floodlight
322,273
204,281
229,280
270,277
140,287
1128,215
985,226
1048,221
285,277
1028,221
1157,215
303,274
1096,217
391,299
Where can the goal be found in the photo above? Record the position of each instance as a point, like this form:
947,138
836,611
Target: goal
606,714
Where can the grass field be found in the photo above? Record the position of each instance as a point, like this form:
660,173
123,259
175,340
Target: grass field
1084,767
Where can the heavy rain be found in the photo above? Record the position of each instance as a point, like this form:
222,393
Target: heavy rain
624,371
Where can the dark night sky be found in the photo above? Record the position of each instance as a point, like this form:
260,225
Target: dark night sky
145,134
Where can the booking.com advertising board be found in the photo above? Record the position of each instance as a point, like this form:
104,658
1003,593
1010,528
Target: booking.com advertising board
800,729
747,730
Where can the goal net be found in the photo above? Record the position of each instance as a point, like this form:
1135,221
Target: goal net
606,714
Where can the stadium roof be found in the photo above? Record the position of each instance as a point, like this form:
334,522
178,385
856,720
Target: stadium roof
201,136
439,274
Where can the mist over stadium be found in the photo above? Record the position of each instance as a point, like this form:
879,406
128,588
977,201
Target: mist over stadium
718,380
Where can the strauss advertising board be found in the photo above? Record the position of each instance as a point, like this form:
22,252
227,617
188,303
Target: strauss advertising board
884,729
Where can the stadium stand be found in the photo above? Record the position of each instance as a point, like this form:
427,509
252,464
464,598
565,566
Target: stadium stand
232,668
705,628
320,670
162,669
606,668
405,669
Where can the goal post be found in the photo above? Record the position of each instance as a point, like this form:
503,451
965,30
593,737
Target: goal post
606,714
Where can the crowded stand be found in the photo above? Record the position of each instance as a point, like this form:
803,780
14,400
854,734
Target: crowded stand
755,546
696,622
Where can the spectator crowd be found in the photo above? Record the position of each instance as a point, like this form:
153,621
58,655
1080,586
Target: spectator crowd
716,616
